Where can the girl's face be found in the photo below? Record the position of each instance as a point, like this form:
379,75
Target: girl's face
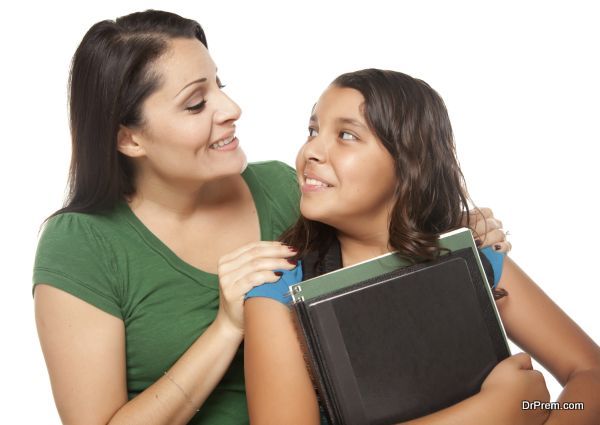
346,175
188,133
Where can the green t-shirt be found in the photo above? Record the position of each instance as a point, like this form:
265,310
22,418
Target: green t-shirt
115,263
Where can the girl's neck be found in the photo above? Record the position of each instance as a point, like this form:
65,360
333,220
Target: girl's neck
357,248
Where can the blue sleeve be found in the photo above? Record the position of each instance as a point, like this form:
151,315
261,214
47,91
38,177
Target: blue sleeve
280,290
496,259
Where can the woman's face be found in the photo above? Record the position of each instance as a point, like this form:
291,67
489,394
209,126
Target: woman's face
188,134
346,175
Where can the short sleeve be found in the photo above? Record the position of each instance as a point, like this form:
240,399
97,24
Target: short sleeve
280,290
496,260
74,257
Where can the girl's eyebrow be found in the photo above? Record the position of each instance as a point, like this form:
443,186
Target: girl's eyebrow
351,121
199,80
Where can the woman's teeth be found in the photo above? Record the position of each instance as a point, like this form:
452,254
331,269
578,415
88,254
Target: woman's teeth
222,143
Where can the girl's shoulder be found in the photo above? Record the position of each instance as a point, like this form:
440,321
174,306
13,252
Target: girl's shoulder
280,290
496,261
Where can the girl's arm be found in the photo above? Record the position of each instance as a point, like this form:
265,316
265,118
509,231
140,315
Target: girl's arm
535,323
279,389
510,382
278,386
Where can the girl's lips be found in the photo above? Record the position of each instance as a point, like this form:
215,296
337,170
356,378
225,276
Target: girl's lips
307,175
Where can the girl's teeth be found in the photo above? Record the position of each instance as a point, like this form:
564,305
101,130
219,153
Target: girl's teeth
314,182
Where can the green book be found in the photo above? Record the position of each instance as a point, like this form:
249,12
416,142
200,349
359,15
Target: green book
348,276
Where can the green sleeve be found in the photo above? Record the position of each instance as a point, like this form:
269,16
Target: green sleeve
74,257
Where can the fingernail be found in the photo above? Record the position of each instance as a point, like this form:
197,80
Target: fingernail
292,262
478,242
497,247
278,274
293,249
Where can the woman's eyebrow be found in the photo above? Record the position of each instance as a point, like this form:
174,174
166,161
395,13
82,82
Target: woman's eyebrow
199,80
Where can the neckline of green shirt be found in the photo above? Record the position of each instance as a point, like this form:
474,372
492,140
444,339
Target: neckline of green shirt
262,210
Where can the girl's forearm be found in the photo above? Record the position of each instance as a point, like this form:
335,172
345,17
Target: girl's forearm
473,410
582,387
175,397
482,408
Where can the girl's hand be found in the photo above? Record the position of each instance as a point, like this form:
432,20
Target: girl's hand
245,268
511,382
487,229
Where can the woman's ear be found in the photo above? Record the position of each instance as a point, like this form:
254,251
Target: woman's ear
128,143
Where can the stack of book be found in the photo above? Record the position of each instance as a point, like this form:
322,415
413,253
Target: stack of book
388,341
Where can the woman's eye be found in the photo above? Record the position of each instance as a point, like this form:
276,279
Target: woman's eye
312,132
196,107
220,84
344,135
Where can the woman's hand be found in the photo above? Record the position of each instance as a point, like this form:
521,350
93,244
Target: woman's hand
510,383
245,268
486,229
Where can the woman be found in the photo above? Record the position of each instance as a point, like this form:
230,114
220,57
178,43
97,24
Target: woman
378,172
135,324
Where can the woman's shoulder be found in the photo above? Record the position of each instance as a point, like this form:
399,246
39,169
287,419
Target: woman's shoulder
77,225
278,187
269,170
97,234
76,253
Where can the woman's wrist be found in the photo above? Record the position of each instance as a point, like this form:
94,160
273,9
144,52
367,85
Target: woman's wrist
226,328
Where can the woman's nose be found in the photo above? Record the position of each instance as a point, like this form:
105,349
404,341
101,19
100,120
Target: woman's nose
227,109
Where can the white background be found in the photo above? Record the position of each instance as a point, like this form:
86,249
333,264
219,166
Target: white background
520,79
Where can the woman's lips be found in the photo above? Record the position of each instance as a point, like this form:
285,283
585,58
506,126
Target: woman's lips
228,147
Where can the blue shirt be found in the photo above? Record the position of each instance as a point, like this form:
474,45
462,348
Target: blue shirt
280,290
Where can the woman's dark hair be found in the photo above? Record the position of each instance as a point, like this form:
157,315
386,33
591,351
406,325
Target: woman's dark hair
411,121
111,76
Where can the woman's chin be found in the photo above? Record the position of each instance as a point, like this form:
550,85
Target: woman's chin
236,164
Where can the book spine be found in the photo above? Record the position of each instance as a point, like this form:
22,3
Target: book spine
303,329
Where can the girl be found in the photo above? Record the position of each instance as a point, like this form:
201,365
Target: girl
378,172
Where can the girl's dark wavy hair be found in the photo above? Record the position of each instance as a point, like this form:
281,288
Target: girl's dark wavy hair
411,121
111,76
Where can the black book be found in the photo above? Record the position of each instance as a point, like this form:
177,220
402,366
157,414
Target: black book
387,341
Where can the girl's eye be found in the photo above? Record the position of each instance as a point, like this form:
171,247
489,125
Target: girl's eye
197,107
344,135
220,84
312,132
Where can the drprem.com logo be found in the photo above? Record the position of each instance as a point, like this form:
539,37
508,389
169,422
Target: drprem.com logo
552,405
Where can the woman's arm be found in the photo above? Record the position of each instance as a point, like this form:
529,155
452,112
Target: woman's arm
278,386
535,323
84,349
